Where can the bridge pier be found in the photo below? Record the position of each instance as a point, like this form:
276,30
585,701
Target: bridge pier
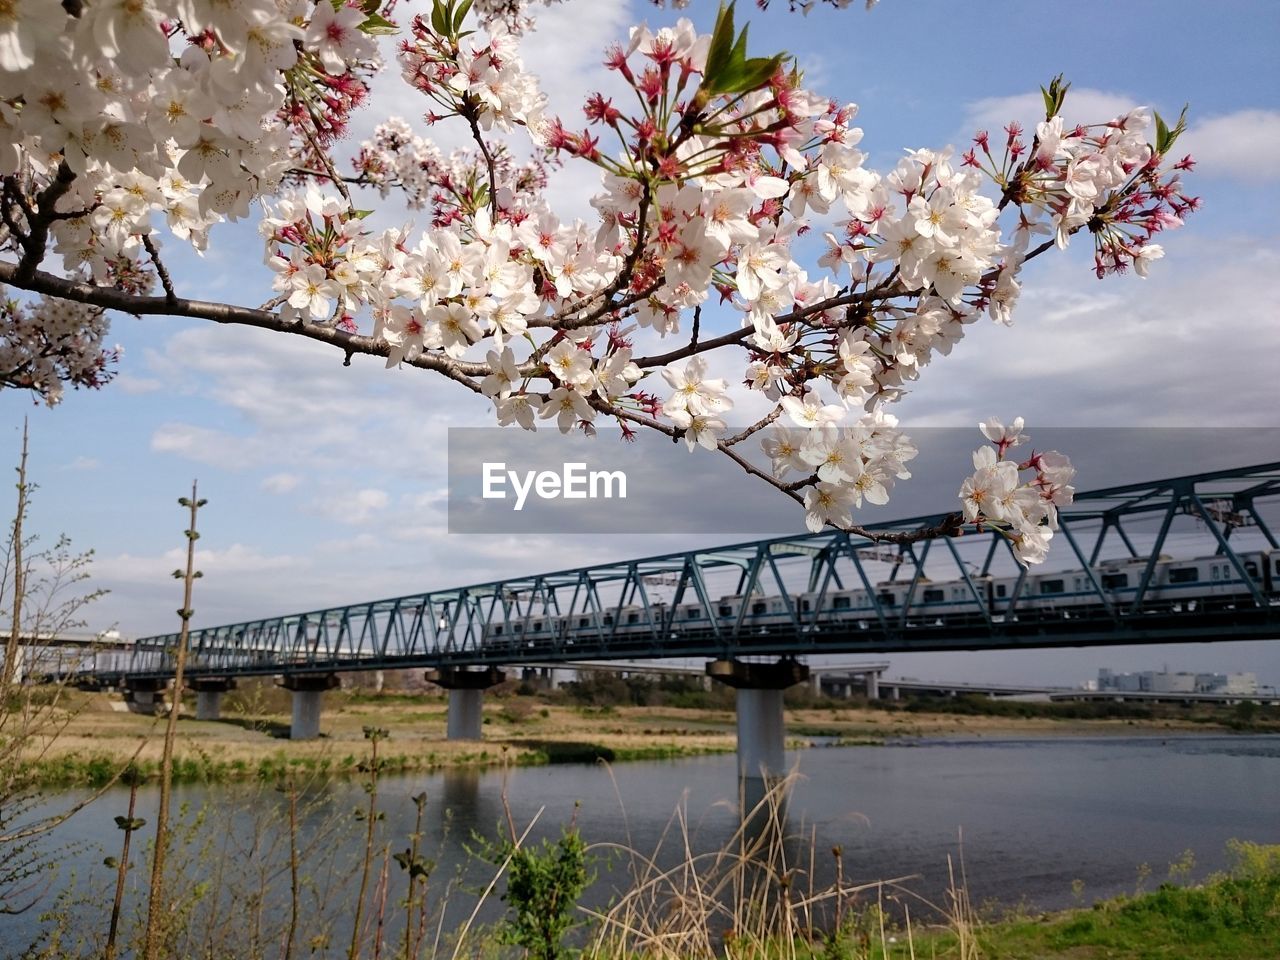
145,695
873,685
466,698
209,691
762,734
307,690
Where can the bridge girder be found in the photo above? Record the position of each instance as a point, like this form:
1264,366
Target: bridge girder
795,577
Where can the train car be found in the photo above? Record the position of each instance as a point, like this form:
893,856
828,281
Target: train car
1173,584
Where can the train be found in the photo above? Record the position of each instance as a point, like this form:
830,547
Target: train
1173,586
976,601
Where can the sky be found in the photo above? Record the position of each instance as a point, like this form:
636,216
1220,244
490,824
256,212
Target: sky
328,484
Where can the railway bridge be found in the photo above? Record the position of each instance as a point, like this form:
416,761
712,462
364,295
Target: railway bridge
1187,558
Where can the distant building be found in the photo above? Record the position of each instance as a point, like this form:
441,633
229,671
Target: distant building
1162,681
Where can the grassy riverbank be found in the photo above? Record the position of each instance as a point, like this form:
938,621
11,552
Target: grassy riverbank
95,737
1233,916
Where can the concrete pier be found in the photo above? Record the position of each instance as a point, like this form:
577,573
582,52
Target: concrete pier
209,691
762,733
873,685
466,698
308,690
145,696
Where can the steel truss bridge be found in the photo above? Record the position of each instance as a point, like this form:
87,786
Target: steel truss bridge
671,605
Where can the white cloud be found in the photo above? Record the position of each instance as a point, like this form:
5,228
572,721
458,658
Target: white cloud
352,508
1185,344
281,483
235,560
1241,145
134,385
320,415
83,463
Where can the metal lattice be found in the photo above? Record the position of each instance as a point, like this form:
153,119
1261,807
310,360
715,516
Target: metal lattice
823,593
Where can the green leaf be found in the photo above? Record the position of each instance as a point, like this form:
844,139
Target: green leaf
440,18
1054,96
376,25
1162,132
749,75
371,6
721,46
1165,138
461,15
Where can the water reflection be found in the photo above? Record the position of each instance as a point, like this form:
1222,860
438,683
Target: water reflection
460,791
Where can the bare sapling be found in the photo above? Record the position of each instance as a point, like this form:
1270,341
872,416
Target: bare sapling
156,905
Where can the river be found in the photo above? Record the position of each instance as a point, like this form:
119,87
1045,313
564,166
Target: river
1048,822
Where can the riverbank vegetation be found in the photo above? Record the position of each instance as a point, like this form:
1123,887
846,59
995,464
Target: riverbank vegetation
91,735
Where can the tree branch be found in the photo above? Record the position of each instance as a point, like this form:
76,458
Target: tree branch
349,343
488,163
950,526
38,223
165,282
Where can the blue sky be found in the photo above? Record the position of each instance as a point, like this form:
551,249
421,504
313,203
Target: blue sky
325,482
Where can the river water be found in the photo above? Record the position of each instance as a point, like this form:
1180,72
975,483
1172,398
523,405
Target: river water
1048,823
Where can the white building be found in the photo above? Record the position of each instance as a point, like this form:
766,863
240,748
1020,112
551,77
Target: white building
1162,681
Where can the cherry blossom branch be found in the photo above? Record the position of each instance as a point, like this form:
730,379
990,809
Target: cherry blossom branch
39,221
488,163
350,343
165,281
338,181
737,336
950,526
564,319
756,427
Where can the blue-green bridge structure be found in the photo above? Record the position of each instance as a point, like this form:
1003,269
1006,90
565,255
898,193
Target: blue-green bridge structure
1188,558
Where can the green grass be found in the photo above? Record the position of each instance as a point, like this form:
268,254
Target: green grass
1232,916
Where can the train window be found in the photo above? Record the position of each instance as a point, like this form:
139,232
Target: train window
537,625
1114,581
691,613
584,622
1278,567
608,619
758,608
1216,573
887,598
839,603
805,606
1184,575
517,628
633,618
726,610
1251,568
1052,586
497,631
1001,590
934,596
